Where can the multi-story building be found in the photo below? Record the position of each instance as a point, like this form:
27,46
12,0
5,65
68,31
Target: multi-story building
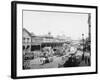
26,40
33,42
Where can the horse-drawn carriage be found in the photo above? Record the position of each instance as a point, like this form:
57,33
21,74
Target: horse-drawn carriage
74,57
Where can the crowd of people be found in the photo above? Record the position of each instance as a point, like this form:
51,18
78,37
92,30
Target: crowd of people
46,54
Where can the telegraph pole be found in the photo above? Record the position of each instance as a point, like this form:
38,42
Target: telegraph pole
89,35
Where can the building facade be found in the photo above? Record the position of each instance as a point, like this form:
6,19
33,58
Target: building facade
33,42
26,40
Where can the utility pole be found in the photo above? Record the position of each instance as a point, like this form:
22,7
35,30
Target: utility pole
89,35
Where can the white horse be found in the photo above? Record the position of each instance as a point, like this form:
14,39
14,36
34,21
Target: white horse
87,57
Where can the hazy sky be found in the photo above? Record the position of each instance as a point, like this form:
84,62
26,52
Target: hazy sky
70,24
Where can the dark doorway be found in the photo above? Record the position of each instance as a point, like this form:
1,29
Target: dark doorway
35,47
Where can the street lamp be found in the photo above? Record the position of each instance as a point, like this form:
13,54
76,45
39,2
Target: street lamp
83,46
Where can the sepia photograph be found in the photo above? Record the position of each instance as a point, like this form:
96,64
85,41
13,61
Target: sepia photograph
53,39
56,39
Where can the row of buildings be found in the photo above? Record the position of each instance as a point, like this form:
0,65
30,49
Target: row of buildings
33,42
